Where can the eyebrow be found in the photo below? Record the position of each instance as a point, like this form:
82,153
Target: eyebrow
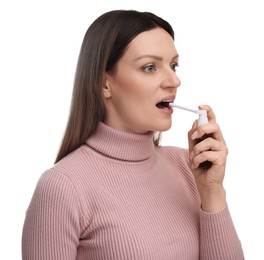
154,57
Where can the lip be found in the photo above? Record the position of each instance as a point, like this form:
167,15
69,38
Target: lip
167,110
168,98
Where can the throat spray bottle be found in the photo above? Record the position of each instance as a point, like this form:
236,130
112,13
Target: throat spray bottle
201,121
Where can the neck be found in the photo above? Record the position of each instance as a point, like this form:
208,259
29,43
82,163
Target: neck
121,145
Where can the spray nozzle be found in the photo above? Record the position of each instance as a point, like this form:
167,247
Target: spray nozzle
202,117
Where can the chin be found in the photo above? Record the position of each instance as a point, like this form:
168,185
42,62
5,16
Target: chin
163,127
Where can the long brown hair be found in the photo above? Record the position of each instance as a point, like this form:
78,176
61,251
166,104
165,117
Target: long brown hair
103,45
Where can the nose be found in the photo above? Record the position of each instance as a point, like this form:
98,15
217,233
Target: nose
170,80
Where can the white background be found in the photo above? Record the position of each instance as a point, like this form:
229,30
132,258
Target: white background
221,51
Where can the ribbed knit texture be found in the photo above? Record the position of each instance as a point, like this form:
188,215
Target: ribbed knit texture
118,197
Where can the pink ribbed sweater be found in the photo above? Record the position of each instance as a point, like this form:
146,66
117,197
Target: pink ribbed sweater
120,198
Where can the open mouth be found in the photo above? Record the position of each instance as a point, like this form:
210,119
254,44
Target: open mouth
165,104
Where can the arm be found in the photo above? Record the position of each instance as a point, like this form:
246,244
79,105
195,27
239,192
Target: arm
52,225
218,237
217,232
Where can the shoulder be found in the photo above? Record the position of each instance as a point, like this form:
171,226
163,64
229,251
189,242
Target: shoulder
66,177
57,193
61,181
77,165
76,172
54,185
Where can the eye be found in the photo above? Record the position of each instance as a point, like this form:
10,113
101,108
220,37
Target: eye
174,66
149,68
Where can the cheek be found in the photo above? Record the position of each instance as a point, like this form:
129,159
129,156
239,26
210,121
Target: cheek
129,88
128,83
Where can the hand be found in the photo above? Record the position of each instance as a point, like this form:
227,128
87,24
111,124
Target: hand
209,181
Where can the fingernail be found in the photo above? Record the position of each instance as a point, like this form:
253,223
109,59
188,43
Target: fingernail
194,135
191,155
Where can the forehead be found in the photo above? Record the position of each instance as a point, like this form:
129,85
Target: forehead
156,41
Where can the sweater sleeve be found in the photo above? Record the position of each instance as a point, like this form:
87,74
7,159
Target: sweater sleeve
219,240
53,220
218,237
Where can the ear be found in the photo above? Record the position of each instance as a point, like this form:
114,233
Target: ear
106,88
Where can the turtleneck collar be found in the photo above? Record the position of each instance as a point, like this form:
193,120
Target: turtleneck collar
121,145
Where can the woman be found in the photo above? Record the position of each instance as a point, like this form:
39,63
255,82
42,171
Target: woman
114,192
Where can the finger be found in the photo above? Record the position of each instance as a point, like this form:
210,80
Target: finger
216,157
212,129
208,150
210,113
209,144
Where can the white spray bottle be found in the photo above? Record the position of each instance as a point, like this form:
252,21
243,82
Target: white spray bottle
201,121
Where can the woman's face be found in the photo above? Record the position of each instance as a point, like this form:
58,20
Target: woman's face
144,77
